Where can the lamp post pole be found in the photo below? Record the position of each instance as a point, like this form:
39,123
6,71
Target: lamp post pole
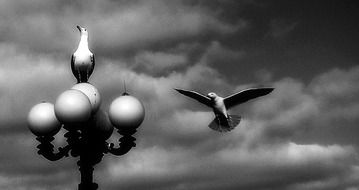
88,127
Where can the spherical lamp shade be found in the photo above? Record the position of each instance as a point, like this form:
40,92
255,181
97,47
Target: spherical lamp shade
126,112
92,94
42,120
72,106
100,125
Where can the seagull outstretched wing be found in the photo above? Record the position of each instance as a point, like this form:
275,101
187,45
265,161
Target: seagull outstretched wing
245,95
197,96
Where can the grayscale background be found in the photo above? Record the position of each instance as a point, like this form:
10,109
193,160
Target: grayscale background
302,136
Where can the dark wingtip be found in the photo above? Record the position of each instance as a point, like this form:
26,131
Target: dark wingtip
266,87
269,89
179,90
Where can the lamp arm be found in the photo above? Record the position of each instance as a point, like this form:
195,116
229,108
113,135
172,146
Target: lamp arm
46,149
126,142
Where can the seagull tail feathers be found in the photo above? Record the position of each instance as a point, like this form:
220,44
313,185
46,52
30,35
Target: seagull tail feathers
225,124
234,120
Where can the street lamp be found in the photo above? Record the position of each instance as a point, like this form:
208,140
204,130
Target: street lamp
77,110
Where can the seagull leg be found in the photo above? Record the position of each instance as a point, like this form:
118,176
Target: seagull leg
79,79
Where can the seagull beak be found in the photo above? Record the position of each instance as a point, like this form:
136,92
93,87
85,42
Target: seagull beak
78,27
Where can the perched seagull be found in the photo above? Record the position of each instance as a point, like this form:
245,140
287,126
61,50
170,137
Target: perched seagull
83,60
224,122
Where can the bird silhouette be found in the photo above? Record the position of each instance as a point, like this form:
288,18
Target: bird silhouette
83,60
224,122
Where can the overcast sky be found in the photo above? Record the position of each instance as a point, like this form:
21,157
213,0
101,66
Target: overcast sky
303,136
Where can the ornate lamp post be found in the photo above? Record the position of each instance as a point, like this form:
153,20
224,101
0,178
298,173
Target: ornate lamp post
88,127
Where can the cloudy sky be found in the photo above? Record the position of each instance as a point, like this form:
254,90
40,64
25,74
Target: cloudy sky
303,136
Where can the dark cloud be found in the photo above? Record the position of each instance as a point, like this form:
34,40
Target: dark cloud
50,27
281,28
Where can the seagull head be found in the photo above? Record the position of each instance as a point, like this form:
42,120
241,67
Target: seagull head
212,95
82,30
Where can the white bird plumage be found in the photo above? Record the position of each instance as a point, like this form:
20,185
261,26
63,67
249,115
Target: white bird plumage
83,60
224,122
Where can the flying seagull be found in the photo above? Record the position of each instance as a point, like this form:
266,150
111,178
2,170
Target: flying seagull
224,122
83,60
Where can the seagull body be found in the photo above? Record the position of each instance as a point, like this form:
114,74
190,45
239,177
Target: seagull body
224,122
218,105
83,60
